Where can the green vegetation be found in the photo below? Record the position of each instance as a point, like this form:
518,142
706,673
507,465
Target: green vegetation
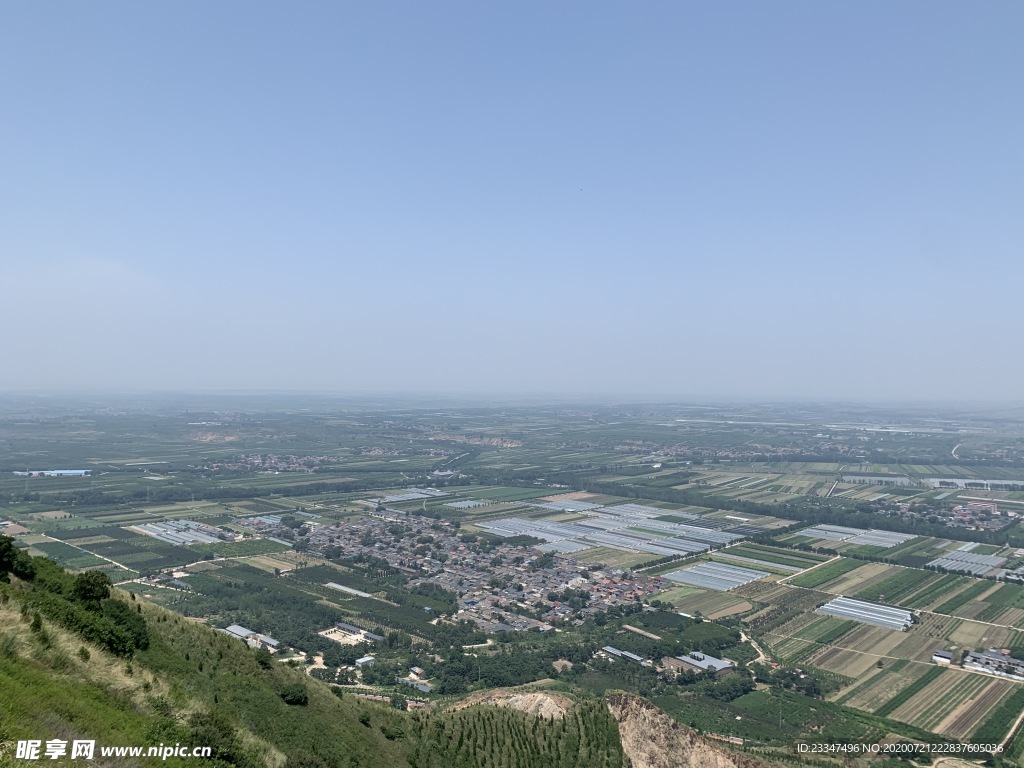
826,573
964,597
894,587
485,736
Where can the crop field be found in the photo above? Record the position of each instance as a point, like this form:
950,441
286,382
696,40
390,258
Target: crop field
917,552
508,494
139,552
880,684
613,558
802,636
952,703
1004,605
68,556
859,579
54,527
969,601
269,563
857,651
897,584
965,633
784,603
1000,719
711,604
935,591
823,574
676,594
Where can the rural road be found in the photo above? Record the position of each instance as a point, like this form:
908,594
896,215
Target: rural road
1013,730
955,450
762,658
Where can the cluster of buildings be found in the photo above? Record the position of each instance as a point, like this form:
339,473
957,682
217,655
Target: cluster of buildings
54,473
250,638
695,661
349,634
973,516
995,661
270,463
500,587
500,609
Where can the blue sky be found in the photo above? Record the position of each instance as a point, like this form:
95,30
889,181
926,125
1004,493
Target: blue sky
778,200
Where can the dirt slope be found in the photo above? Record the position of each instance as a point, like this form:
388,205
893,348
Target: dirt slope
539,703
653,739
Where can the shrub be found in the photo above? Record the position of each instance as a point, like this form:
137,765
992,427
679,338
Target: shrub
295,695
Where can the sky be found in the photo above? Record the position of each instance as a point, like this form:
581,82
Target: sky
687,199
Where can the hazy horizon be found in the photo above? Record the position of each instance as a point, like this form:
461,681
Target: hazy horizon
789,201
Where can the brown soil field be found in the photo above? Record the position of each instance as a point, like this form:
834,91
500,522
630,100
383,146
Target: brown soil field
937,625
972,634
885,686
917,647
921,705
269,563
960,689
859,651
732,611
710,603
574,496
970,714
1011,616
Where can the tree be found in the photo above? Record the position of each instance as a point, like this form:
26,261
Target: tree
91,588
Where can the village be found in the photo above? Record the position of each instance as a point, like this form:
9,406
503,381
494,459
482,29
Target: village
500,587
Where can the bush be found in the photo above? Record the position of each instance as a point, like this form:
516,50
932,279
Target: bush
295,695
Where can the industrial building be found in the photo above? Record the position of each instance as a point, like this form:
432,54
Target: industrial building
250,638
612,651
700,662
995,661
